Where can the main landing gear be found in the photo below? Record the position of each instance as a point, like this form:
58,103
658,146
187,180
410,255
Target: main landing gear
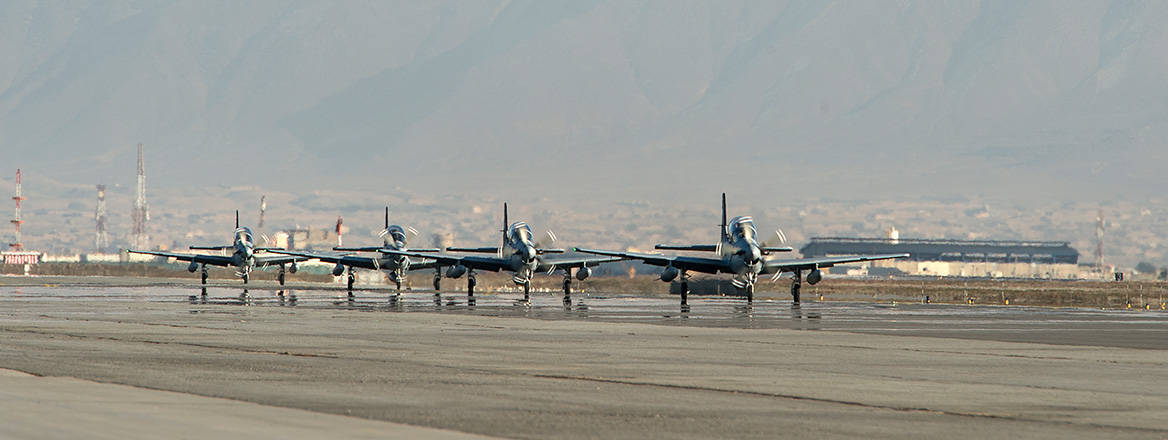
527,290
204,276
568,285
684,287
796,283
280,277
470,284
437,280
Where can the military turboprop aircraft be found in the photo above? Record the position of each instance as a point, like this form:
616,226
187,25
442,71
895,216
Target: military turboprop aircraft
244,256
518,253
740,254
394,238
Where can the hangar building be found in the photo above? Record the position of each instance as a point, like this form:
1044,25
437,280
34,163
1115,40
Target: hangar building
964,258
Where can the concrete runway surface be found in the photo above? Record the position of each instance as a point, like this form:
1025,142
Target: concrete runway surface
310,363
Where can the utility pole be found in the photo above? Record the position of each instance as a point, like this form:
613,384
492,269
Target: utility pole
263,207
1099,243
101,238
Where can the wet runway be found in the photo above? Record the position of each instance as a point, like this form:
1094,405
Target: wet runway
1064,326
601,366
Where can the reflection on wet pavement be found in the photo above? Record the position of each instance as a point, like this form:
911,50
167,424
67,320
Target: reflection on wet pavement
1124,328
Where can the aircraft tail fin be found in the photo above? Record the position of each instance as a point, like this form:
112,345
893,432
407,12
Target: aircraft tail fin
504,226
236,219
725,233
387,217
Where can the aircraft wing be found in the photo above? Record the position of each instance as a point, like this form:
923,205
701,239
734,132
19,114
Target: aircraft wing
546,265
353,249
769,249
212,248
493,264
688,247
357,261
214,260
376,248
480,250
269,260
696,264
776,266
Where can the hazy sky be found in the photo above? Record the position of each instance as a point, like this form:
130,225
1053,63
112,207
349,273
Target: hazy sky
1043,99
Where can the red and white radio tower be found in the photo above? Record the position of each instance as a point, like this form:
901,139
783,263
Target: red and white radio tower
17,246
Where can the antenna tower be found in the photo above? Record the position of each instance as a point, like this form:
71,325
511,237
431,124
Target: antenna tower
141,210
17,221
101,239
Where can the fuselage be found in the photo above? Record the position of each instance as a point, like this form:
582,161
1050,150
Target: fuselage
520,249
394,237
740,246
244,250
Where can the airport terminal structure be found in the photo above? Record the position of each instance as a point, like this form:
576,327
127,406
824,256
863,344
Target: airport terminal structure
956,258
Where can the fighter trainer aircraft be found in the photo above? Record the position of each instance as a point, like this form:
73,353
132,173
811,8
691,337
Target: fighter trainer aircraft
393,238
518,253
243,258
739,254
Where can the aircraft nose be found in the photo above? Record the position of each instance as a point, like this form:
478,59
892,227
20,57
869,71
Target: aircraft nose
529,253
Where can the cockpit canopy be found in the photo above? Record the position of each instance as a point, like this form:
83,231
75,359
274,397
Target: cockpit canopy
519,231
743,228
243,235
394,234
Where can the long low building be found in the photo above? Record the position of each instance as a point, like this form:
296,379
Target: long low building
967,258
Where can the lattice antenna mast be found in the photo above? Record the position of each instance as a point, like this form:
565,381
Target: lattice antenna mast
17,221
141,210
101,238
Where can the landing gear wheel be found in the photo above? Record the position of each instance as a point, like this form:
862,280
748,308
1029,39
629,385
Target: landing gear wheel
351,280
204,275
437,283
470,285
245,278
750,293
281,278
795,292
527,291
684,293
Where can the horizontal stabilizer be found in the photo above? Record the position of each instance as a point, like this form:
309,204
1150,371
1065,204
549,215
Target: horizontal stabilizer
212,248
542,251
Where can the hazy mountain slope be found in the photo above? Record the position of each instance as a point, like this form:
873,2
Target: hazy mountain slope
1034,99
